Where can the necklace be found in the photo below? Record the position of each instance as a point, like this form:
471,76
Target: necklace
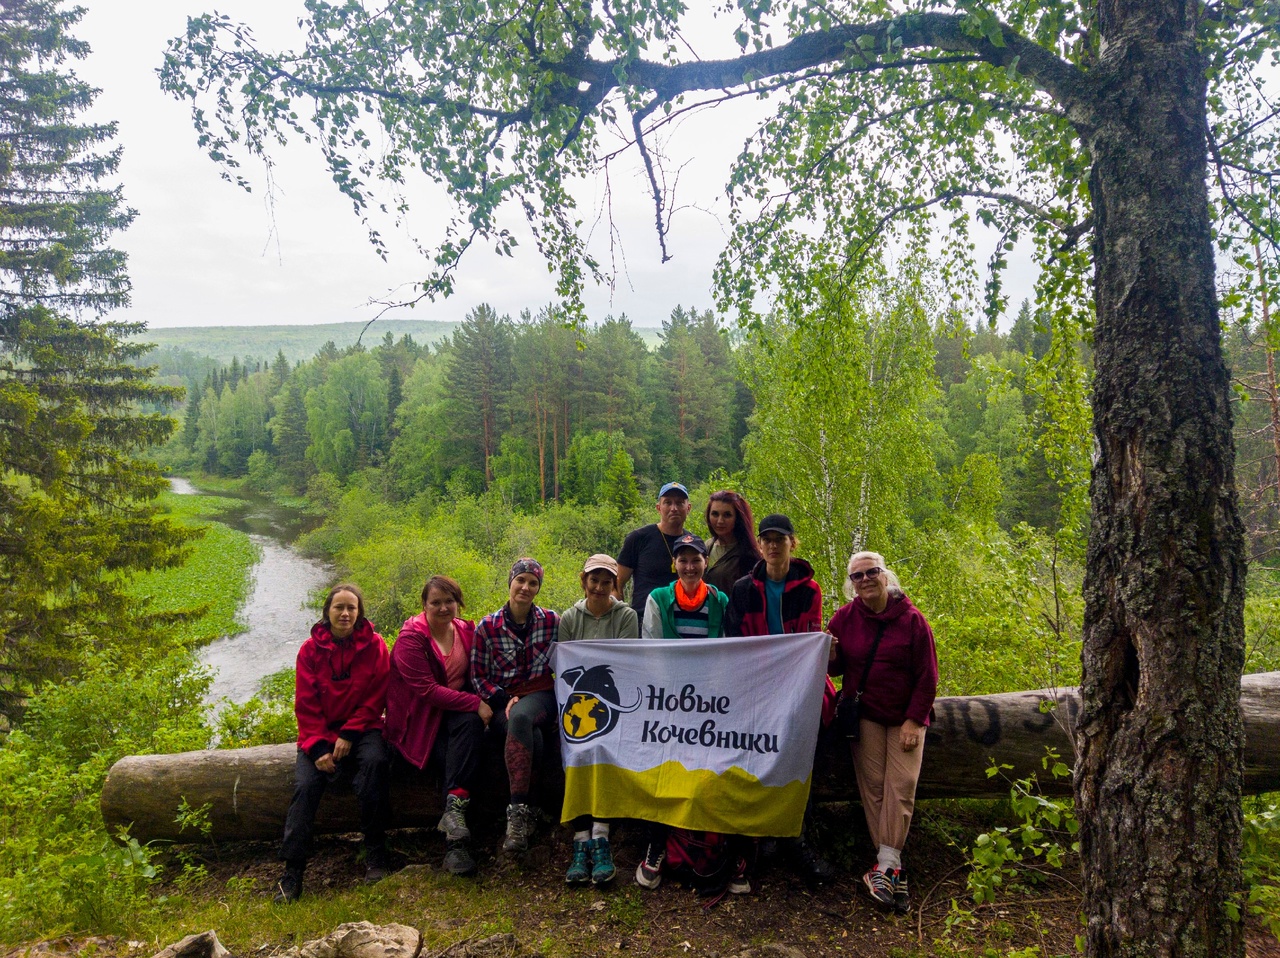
667,545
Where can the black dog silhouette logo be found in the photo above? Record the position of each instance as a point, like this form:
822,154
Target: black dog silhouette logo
593,707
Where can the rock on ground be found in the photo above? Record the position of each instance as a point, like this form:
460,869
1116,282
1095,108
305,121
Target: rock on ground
202,945
363,939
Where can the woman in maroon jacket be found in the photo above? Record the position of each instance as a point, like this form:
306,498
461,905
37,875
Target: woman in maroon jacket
881,626
339,697
433,715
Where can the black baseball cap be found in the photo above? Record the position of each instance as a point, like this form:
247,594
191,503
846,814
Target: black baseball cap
776,522
689,541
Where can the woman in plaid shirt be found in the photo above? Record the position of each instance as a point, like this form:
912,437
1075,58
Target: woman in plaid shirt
511,669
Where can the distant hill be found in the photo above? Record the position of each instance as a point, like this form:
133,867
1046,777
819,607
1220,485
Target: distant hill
221,343
298,342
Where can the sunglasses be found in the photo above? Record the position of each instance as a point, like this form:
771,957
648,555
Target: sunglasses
872,573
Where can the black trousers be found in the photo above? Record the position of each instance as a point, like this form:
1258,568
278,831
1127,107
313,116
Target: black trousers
364,770
455,756
457,749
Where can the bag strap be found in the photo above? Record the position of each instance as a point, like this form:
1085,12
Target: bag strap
866,672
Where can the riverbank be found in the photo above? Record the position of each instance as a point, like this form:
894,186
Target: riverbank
215,579
281,604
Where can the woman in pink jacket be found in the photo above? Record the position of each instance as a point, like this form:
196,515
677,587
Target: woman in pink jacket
433,715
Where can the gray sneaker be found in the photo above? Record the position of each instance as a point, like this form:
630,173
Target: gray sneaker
521,821
453,823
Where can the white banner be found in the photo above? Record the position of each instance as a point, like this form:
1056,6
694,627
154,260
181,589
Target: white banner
707,734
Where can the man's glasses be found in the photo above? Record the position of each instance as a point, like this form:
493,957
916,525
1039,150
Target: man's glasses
872,573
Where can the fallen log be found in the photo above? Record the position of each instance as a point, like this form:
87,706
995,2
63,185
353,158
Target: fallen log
248,790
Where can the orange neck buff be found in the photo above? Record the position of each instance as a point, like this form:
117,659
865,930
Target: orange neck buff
691,602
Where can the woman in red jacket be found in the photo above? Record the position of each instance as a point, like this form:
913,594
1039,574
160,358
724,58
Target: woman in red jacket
339,697
433,714
883,645
779,596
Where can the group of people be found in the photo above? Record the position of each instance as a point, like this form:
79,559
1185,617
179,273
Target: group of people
366,715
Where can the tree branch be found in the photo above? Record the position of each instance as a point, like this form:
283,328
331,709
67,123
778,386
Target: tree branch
860,42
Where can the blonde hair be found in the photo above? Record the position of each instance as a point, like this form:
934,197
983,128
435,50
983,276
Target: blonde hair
895,587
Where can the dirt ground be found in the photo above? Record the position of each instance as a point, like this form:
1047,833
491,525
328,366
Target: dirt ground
529,902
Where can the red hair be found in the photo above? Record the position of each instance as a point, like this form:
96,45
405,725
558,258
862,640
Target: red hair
743,522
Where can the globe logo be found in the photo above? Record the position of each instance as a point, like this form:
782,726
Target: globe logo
592,708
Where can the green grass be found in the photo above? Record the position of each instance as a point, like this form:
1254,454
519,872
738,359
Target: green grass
246,919
215,578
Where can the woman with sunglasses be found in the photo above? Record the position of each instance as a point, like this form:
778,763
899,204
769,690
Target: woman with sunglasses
339,697
882,645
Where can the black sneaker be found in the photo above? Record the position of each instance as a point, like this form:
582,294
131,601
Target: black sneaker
879,886
740,883
649,871
289,887
901,894
376,866
811,866
458,860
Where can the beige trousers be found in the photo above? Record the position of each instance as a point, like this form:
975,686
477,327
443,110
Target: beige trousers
887,779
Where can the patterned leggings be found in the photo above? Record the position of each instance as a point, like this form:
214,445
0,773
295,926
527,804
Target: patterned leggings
533,711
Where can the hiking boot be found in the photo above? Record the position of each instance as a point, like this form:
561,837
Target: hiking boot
521,821
289,887
376,866
649,871
458,860
602,870
811,866
453,823
879,886
579,872
901,895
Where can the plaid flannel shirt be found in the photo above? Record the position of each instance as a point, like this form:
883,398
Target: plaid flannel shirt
500,659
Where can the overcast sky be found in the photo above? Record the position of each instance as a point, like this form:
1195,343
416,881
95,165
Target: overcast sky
204,252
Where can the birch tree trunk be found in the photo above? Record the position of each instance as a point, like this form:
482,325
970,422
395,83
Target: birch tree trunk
1160,736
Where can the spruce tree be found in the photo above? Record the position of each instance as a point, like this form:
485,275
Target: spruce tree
77,509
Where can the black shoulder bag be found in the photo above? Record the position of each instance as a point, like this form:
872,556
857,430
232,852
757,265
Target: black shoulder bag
847,718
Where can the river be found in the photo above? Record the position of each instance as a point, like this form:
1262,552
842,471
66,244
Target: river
278,611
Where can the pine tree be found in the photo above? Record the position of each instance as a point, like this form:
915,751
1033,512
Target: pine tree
77,510
479,384
289,434
280,368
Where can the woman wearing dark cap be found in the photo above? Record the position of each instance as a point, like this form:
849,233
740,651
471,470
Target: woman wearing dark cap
511,669
883,645
780,597
688,608
731,549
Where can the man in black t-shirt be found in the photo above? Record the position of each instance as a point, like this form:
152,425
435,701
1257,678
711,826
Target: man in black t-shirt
646,552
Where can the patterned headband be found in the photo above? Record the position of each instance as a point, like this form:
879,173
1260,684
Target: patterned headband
531,566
